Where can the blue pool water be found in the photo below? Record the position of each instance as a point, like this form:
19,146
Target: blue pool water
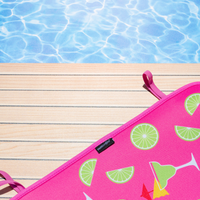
100,31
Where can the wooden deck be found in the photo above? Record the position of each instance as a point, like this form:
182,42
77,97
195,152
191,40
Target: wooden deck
51,112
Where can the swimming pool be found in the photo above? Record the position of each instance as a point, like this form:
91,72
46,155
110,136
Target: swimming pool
100,31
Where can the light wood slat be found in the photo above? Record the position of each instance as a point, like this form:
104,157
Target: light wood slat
54,132
91,82
29,169
85,68
68,115
77,98
41,150
11,192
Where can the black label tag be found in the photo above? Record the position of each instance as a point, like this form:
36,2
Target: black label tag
103,146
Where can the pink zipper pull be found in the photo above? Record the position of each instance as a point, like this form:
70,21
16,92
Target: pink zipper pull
148,79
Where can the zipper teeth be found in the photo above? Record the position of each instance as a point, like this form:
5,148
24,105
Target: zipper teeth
112,134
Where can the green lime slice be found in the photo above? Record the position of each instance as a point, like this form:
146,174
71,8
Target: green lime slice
144,136
121,175
187,133
192,102
86,171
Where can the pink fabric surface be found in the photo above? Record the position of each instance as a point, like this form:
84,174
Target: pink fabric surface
170,150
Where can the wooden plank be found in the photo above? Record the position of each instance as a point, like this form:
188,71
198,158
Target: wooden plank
91,82
68,115
37,132
85,68
42,150
77,98
29,169
70,82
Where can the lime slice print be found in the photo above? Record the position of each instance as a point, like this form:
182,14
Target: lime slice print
144,136
121,175
192,102
187,133
86,171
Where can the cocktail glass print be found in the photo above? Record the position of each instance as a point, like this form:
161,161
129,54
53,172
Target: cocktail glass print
87,197
163,173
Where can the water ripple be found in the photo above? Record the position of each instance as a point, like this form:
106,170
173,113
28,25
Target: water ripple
100,31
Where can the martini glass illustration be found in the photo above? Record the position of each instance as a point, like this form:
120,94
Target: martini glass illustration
163,173
87,197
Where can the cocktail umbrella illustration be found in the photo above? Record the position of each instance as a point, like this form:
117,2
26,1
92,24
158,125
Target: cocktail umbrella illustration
145,193
157,192
87,197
